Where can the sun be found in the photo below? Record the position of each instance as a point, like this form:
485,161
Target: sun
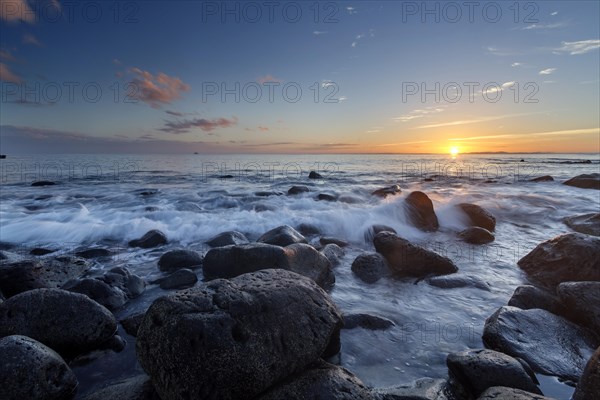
454,151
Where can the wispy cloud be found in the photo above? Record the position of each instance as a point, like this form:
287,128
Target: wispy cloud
156,90
476,120
555,25
268,78
554,13
547,71
419,113
6,56
174,113
579,47
351,10
7,75
501,51
523,135
206,125
516,64
16,10
402,143
31,39
319,33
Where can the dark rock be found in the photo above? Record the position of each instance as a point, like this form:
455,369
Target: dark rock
529,297
228,176
132,323
333,252
21,276
569,257
326,197
320,381
120,277
370,267
308,229
581,301
108,296
297,190
366,321
478,370
458,281
227,238
314,175
585,181
505,393
550,344
421,389
43,183
407,259
587,223
479,216
267,194
545,178
30,370
3,256
177,259
7,246
147,192
136,388
373,230
69,323
153,238
241,335
94,253
476,235
40,251
182,278
588,387
282,236
387,191
329,240
420,213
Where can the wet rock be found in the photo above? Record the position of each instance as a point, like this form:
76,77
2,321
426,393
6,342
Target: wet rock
227,238
132,323
540,338
545,178
478,370
373,230
38,251
476,235
581,303
182,278
569,257
326,197
147,192
108,296
308,229
69,323
421,389
587,223
22,276
176,259
241,335
366,321
420,213
93,253
329,240
505,393
153,238
370,267
387,191
267,194
227,176
136,388
585,181
297,190
320,381
43,183
479,216
314,175
2,256
333,252
120,277
458,281
407,259
527,297
588,387
30,370
282,236
231,261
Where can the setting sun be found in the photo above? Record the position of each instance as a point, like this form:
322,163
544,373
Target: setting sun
454,151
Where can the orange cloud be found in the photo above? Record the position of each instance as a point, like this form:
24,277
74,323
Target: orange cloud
7,75
267,78
156,90
207,125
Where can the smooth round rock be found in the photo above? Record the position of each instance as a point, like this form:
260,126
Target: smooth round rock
153,238
479,216
182,278
476,235
177,259
370,267
588,387
282,236
227,238
420,213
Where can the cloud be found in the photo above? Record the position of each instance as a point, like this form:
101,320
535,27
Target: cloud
31,39
501,52
419,113
523,135
267,78
319,33
516,64
351,10
156,90
116,61
477,120
547,71
554,13
16,10
175,113
7,75
402,143
206,125
579,47
555,25
263,128
6,56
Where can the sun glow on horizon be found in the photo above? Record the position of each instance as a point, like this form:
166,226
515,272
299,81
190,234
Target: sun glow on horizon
454,151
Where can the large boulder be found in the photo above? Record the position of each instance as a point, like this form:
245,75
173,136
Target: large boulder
231,261
297,190
314,175
387,191
333,252
182,278
240,336
479,216
366,321
320,381
588,387
110,297
476,235
506,393
136,388
282,236
586,223
569,257
581,302
373,230
407,259
69,323
21,276
421,389
527,297
455,281
543,178
153,238
477,370
551,344
420,213
176,259
30,370
132,285
227,238
585,181
370,267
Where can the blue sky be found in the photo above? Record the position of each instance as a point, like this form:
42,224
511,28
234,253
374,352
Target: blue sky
147,66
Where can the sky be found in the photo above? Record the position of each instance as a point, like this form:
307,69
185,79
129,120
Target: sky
299,76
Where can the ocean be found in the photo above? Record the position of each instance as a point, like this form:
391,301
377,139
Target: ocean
107,200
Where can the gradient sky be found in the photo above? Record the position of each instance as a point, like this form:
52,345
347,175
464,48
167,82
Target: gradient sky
357,63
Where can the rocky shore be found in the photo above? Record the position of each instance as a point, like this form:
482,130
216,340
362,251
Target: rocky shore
255,320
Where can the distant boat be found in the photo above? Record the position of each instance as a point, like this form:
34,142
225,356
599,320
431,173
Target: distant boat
2,156
195,152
